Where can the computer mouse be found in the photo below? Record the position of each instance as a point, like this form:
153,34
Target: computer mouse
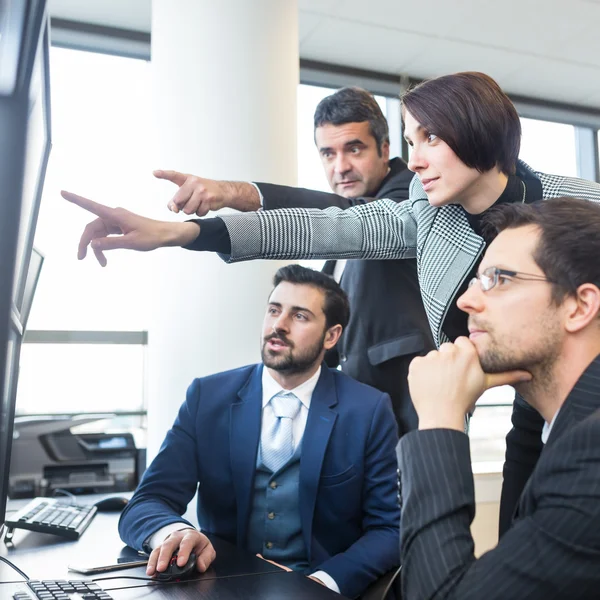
112,504
173,571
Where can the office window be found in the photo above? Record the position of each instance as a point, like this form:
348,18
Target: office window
549,147
101,149
488,428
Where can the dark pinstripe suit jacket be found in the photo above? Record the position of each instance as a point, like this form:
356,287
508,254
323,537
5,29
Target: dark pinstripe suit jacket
551,550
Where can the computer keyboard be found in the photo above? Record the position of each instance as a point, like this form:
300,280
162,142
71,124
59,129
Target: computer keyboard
48,515
63,590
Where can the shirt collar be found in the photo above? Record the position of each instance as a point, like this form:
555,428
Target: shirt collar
303,392
548,428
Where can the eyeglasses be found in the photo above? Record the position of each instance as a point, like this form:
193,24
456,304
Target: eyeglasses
490,277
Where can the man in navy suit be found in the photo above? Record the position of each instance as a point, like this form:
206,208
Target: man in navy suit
313,489
534,321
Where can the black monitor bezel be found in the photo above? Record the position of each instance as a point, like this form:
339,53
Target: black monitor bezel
14,109
20,277
34,271
10,389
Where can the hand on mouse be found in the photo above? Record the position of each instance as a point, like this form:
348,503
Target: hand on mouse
184,542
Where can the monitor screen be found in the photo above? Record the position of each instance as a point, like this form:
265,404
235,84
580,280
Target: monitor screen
24,150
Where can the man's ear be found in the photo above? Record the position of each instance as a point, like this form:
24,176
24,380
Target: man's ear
583,308
332,336
385,151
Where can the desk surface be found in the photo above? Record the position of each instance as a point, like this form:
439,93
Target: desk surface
234,575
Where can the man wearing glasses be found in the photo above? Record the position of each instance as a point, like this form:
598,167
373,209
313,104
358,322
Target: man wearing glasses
534,321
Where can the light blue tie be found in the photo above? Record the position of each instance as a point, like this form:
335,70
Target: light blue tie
277,440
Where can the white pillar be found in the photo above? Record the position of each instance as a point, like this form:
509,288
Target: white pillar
225,77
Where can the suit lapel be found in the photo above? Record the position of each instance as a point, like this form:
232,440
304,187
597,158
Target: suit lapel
581,402
319,425
244,435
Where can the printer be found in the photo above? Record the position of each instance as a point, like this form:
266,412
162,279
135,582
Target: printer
48,456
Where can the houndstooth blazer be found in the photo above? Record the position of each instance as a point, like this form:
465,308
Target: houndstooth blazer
441,239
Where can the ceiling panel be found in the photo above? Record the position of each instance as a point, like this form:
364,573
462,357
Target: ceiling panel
524,26
539,78
323,7
307,25
582,49
540,48
593,100
441,57
363,46
432,18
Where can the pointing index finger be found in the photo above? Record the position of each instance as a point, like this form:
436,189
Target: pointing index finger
173,176
94,207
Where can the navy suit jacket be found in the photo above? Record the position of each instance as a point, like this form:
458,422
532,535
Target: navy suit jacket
348,485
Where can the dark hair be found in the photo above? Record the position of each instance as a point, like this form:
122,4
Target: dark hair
353,105
568,251
336,307
472,115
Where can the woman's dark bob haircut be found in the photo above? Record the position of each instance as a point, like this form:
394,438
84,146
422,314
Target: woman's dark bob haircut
472,115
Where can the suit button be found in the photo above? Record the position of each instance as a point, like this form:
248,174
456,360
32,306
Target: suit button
269,545
273,485
271,515
343,358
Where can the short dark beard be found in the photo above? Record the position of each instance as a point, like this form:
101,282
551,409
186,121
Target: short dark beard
539,361
292,363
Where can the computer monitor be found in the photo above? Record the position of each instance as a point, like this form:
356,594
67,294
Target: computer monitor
36,260
24,151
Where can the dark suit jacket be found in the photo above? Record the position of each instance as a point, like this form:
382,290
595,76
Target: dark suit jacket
551,550
348,489
388,326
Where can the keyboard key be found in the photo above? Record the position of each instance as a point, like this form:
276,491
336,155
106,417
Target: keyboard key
61,589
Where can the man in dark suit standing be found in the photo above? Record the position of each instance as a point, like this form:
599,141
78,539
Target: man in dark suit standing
388,326
534,321
290,459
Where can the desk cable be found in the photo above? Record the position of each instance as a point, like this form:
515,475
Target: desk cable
10,564
130,577
60,492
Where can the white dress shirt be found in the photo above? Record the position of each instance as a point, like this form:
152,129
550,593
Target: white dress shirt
548,427
270,388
